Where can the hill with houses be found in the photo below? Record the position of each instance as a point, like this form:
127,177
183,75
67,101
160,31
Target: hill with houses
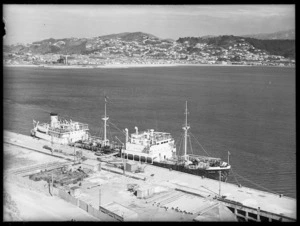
139,47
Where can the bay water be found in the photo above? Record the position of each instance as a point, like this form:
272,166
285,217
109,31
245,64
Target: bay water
247,111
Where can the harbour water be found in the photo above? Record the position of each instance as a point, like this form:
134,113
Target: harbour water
248,111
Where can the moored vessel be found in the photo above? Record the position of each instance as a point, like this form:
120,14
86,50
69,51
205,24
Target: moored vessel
60,131
158,148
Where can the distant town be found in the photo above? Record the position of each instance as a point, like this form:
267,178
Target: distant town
144,49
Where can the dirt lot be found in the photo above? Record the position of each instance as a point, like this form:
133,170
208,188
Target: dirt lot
24,204
16,157
28,205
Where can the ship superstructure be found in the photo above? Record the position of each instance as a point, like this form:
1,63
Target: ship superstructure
149,145
60,131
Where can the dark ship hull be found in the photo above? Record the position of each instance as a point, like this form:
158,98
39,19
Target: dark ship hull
211,174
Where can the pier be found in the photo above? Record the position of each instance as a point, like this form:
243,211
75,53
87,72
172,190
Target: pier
246,204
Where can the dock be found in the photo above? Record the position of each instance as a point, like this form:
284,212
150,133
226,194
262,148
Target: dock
246,204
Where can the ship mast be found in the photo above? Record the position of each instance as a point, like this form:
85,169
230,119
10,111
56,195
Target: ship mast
105,119
185,128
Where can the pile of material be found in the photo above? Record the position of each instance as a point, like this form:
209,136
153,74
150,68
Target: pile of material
60,176
219,212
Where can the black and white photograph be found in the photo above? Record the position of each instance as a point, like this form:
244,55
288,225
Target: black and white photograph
149,113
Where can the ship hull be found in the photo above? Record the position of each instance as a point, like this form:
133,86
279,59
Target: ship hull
47,137
211,174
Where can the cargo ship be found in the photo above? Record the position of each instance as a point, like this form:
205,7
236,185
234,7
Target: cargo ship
60,131
68,132
158,148
154,147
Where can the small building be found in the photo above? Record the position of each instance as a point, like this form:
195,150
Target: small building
119,212
75,191
90,164
131,166
144,192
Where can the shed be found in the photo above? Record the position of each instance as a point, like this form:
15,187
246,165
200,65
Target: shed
119,212
144,192
131,166
75,191
93,165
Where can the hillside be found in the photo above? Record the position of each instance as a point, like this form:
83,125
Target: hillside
288,34
139,47
284,48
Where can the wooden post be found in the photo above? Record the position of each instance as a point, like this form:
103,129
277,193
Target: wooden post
220,184
123,163
228,157
99,196
258,214
52,182
52,144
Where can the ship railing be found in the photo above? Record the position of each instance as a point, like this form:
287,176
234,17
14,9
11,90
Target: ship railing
83,126
61,131
203,157
96,138
161,138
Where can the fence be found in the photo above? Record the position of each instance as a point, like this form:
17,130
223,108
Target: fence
81,204
64,195
96,213
43,186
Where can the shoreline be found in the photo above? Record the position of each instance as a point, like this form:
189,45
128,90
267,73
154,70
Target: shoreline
115,66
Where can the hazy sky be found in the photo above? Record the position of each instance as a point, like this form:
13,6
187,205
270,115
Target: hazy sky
28,23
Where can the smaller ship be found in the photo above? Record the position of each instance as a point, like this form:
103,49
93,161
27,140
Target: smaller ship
158,148
102,146
60,131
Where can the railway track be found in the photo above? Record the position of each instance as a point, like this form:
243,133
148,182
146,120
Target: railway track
36,150
24,171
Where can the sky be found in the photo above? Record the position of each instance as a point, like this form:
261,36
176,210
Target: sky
29,23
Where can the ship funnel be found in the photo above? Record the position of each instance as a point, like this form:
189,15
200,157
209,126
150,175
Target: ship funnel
126,131
54,119
136,130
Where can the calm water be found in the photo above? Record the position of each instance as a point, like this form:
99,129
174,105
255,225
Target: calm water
249,111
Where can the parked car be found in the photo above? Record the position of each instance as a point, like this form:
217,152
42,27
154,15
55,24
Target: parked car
47,147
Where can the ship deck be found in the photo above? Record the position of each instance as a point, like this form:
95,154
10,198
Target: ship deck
203,187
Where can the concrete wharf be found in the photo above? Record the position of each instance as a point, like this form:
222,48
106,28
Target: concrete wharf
246,203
